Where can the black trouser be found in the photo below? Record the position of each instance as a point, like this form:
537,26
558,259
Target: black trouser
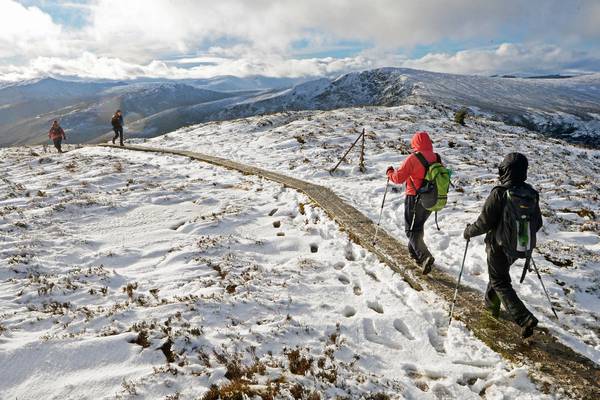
416,245
499,286
118,134
57,144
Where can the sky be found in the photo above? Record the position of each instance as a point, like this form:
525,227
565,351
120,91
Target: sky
126,39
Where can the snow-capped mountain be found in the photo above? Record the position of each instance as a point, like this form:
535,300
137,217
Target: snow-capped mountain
85,109
28,107
568,108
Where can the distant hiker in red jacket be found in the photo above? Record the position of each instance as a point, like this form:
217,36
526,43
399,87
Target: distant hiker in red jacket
117,124
412,171
57,135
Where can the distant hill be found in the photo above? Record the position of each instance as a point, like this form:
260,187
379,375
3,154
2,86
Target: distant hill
568,108
558,106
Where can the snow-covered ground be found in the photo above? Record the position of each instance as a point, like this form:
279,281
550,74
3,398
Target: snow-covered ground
136,275
307,144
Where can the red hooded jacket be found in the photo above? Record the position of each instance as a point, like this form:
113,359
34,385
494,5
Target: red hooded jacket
412,171
56,132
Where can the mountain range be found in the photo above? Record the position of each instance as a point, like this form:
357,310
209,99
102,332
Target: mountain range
564,107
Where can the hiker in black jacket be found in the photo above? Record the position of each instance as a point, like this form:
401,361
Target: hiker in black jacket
513,174
117,124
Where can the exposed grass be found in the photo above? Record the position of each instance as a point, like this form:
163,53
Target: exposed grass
298,364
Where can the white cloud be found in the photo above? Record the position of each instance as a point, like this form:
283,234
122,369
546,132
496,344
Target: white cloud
504,59
27,30
166,27
240,37
89,65
509,58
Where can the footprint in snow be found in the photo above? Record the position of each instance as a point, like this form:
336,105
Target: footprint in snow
441,392
401,327
375,306
339,265
348,311
314,247
276,224
350,255
344,279
177,225
436,342
372,275
372,336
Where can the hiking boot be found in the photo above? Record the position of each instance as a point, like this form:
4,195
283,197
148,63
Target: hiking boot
113,141
428,264
121,144
528,327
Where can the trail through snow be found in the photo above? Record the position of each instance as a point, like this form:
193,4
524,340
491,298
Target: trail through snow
307,144
132,275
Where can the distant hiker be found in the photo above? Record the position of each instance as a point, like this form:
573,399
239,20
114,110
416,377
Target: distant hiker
117,124
413,171
57,135
510,218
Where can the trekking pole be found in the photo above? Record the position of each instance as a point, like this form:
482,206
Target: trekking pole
458,282
543,287
381,212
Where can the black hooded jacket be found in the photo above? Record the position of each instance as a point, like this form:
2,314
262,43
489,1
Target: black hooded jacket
512,173
117,121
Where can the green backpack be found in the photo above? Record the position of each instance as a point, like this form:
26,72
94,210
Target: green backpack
433,194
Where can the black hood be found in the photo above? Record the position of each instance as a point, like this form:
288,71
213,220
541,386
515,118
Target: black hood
513,169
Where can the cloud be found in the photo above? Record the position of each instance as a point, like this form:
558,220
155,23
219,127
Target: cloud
277,37
504,59
27,30
164,27
510,58
89,65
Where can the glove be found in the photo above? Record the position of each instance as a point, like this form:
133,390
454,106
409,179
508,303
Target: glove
389,170
467,232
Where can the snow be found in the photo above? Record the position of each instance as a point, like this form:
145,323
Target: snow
307,144
102,248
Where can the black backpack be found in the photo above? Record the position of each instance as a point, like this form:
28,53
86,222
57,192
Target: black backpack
516,232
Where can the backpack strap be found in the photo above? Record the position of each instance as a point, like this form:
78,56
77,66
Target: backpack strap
426,165
423,160
526,266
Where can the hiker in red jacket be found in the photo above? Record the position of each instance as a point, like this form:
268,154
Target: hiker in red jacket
57,135
412,171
